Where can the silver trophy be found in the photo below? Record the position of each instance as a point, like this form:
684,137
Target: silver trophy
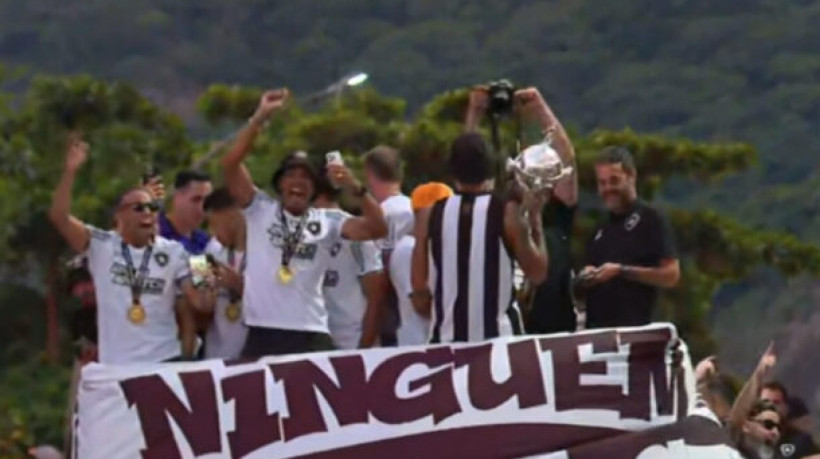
539,166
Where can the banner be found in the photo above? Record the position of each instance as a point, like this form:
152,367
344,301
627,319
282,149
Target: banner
509,397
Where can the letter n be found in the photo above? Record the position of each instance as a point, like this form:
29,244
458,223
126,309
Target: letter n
155,402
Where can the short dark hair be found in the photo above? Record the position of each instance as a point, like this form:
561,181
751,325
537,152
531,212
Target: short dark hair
616,155
184,178
776,385
385,163
219,199
722,386
470,161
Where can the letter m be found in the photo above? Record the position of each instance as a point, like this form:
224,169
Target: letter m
156,403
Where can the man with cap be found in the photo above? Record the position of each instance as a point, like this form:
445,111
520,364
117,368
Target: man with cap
414,328
475,238
290,243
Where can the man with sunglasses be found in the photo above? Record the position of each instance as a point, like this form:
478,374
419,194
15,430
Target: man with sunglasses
290,243
136,275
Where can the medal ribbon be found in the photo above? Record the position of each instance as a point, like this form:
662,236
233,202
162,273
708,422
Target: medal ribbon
136,279
291,240
233,294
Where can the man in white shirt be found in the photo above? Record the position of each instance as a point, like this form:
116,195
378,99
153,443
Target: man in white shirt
136,275
355,283
226,333
290,244
383,172
415,327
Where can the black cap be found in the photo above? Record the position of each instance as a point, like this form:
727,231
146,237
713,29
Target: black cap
297,159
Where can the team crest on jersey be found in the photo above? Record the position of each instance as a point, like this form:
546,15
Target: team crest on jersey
787,449
331,278
161,259
632,221
314,228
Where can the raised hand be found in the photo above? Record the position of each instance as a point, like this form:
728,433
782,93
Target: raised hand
767,360
76,154
527,95
270,102
340,175
479,99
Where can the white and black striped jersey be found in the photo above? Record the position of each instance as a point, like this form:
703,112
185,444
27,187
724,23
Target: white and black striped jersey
473,298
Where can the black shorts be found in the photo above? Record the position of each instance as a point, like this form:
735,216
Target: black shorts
274,341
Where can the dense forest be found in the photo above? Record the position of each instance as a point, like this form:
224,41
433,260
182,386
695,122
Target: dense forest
730,71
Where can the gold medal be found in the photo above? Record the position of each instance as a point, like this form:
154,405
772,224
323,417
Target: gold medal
136,313
285,274
233,311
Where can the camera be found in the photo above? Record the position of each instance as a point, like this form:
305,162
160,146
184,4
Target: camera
501,93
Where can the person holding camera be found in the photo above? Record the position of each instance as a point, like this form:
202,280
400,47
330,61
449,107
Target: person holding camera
475,238
550,309
290,242
136,274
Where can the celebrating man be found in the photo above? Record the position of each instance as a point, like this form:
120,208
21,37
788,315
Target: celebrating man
226,333
182,223
475,237
631,255
290,243
136,275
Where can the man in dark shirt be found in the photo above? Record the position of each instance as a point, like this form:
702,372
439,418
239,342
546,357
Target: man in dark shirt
793,444
182,223
631,255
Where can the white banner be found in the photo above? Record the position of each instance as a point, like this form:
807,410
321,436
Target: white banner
509,397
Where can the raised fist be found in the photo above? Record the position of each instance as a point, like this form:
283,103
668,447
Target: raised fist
77,153
272,101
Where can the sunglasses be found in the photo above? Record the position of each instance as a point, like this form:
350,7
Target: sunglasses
768,424
141,207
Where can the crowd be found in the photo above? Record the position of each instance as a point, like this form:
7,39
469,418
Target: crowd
318,261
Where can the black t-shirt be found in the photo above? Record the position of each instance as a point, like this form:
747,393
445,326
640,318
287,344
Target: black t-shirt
552,310
640,237
795,445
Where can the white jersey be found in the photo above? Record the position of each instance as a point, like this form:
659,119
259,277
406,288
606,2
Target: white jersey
268,301
345,299
398,213
414,329
120,340
227,334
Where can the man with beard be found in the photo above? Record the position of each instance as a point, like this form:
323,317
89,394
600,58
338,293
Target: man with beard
631,255
136,275
290,243
791,443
